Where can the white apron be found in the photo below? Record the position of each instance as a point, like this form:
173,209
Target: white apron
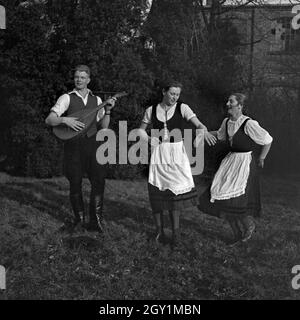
170,168
230,180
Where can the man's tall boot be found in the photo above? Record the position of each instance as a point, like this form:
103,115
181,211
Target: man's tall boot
96,219
78,209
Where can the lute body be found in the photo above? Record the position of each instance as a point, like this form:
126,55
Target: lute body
86,116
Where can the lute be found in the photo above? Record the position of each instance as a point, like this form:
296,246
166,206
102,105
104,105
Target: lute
86,116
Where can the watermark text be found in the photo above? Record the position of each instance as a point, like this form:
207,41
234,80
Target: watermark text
296,278
2,278
296,19
174,147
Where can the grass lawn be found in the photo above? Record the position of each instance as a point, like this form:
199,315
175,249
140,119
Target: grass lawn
44,263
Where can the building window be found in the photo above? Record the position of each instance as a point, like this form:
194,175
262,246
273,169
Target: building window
284,38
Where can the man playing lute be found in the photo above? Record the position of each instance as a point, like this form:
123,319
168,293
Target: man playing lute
80,153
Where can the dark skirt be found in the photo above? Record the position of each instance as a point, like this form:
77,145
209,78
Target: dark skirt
246,204
167,200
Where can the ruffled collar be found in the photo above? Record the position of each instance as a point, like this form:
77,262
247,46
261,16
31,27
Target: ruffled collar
239,120
169,108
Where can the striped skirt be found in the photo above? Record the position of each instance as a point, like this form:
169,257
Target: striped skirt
167,200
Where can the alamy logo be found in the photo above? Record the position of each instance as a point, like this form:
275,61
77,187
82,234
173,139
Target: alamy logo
2,278
2,18
296,278
111,148
296,19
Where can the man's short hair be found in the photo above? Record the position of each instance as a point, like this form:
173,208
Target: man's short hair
83,68
171,83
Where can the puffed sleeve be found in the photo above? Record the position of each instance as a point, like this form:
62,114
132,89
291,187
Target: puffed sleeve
186,112
257,133
147,115
221,133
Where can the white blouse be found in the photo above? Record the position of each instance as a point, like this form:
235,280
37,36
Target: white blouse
161,114
63,102
252,129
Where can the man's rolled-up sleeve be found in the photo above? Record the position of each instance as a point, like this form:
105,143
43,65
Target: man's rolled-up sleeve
61,105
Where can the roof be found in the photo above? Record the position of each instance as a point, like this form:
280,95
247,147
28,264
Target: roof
257,3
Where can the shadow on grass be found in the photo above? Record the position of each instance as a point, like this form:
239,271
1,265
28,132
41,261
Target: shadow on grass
52,198
38,197
55,203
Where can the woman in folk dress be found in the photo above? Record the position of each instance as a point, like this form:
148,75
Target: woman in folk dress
235,190
170,184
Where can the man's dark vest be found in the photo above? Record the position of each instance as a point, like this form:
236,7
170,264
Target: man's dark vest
176,122
76,104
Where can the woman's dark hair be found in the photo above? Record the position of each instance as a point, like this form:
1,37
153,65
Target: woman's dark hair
157,92
240,98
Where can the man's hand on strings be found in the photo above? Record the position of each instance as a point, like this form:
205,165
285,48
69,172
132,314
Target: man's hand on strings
110,104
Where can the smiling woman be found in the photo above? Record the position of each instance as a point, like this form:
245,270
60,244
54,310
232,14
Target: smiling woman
236,105
235,190
170,184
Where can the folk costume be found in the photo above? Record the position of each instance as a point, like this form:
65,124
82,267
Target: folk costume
80,158
235,189
170,182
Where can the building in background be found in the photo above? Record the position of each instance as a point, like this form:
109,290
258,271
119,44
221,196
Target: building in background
269,51
270,46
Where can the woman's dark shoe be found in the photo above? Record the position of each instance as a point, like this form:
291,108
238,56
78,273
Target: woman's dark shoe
72,225
249,232
176,239
160,238
234,241
237,233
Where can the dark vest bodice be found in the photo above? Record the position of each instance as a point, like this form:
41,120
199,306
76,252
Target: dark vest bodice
176,122
241,142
